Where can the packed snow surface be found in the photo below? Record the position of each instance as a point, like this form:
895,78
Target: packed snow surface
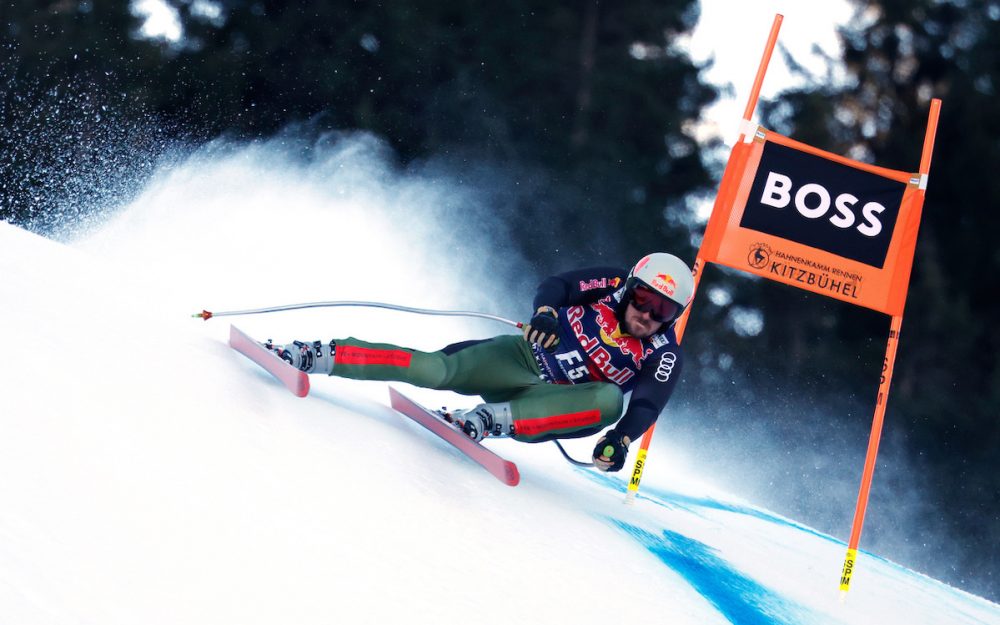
150,474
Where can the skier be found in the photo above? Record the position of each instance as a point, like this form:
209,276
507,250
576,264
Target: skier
595,334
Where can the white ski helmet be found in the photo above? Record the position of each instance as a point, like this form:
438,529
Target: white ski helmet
667,276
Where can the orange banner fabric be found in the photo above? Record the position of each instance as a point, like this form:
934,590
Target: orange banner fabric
817,221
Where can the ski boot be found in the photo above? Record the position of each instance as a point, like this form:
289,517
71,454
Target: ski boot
482,421
312,357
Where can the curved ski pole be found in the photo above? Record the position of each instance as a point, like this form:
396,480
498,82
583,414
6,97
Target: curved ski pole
570,458
206,315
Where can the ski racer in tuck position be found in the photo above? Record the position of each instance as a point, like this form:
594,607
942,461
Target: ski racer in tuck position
595,334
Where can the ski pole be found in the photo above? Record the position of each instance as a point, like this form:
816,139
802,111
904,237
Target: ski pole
206,315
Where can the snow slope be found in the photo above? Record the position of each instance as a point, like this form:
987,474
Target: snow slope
149,474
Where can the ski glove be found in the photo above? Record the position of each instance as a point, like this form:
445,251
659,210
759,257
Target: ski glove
543,329
610,452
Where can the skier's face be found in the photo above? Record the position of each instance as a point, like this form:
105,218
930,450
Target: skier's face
639,324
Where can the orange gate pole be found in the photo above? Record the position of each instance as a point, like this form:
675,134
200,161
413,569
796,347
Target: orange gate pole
640,461
883,390
873,442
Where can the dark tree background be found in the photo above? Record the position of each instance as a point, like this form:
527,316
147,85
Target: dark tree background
554,89
588,105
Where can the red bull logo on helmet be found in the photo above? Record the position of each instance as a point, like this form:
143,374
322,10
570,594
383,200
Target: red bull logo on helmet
665,283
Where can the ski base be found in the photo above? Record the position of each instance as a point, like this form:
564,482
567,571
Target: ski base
504,470
294,380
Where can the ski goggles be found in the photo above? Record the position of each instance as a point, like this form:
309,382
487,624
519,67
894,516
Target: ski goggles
659,308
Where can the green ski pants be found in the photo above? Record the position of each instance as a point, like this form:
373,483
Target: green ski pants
501,369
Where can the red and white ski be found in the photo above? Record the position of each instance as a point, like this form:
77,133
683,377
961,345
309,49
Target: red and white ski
296,381
504,470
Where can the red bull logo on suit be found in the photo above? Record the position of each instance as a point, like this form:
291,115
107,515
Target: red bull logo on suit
626,344
600,358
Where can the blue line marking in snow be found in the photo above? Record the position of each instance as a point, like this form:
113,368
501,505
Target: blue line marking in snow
671,500
664,498
740,599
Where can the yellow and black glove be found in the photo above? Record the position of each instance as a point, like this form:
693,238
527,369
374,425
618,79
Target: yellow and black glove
543,329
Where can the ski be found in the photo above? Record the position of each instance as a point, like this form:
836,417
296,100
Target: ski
296,381
504,470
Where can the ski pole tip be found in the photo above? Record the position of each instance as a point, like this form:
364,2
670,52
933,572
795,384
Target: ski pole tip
203,314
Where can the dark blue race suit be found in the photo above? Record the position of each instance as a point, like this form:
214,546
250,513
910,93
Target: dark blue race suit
594,346
575,391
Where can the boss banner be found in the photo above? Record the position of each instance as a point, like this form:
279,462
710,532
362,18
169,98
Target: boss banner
824,223
818,221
